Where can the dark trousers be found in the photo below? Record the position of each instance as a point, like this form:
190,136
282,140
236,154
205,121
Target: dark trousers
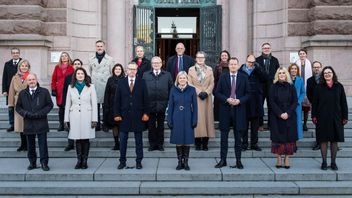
254,125
123,146
43,148
11,116
61,115
156,129
266,92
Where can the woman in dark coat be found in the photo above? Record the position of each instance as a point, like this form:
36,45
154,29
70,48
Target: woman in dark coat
142,62
329,114
110,89
283,124
182,118
222,67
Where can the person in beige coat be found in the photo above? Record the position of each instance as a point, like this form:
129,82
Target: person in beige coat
81,114
19,83
202,78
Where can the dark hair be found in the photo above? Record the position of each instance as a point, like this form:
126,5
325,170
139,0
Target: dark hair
334,77
321,65
122,70
228,54
100,41
266,44
293,65
302,50
15,48
77,59
86,78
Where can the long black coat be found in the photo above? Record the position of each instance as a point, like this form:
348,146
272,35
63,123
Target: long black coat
274,65
283,98
330,108
172,63
145,66
9,71
131,106
109,96
255,79
158,90
34,110
223,92
311,85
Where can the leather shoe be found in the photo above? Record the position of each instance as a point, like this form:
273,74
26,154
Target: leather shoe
239,165
69,147
10,129
256,148
161,148
333,166
316,147
222,163
45,167
31,166
139,165
121,166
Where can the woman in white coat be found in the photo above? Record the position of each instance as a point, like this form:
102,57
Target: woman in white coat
81,114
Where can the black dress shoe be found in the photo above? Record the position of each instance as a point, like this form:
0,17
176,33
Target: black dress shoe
278,166
244,148
45,167
161,148
121,166
239,165
10,129
151,148
316,147
139,165
333,166
256,148
324,166
32,166
61,128
69,147
222,163
287,167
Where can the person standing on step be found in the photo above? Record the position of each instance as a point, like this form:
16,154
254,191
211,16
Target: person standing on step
329,114
10,69
312,83
99,67
33,104
118,74
233,93
142,62
81,115
158,83
179,62
61,71
201,77
131,111
283,119
19,83
182,118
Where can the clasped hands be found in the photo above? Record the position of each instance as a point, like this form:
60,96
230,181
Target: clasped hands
233,102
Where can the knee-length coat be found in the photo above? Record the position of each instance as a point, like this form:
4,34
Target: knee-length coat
205,127
182,114
80,111
58,82
301,93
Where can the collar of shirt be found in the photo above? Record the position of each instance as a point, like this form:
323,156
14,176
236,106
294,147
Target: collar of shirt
231,74
156,72
32,89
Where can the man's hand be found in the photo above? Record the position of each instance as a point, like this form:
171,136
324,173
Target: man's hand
284,116
118,118
145,118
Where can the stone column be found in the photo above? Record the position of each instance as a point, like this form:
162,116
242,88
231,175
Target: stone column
116,37
238,33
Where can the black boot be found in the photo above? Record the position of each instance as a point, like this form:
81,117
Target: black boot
61,127
79,154
185,157
117,144
23,146
179,157
70,145
205,141
198,142
85,151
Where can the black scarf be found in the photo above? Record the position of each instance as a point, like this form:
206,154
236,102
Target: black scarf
99,56
267,59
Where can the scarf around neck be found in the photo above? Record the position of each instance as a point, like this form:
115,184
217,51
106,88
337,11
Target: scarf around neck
80,86
24,75
99,56
200,72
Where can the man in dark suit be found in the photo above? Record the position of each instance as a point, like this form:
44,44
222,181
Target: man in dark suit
179,62
269,64
131,111
312,83
10,69
233,93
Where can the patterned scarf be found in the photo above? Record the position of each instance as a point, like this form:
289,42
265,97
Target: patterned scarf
200,72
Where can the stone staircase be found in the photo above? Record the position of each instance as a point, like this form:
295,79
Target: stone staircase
158,177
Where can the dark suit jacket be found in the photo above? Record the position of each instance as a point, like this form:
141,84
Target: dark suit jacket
171,64
223,92
131,106
311,85
8,73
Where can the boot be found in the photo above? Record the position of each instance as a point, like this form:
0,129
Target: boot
185,157
79,154
85,151
61,127
117,144
23,146
70,145
197,142
179,157
205,141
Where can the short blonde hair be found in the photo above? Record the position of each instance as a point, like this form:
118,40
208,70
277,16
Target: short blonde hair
178,76
24,61
288,78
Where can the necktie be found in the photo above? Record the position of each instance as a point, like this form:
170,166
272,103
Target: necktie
15,63
32,93
180,63
233,86
131,85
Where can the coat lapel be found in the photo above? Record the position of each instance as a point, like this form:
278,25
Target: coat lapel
228,80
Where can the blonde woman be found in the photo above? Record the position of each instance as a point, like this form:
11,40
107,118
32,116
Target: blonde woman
19,83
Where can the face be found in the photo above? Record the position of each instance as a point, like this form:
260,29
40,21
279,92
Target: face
182,80
31,81
282,75
64,58
293,71
302,55
224,57
15,54
316,68
156,63
250,61
233,66
328,74
180,49
77,64
131,70
24,67
117,71
80,75
200,59
266,49
140,52
100,47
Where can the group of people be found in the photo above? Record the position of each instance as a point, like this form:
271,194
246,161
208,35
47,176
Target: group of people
189,94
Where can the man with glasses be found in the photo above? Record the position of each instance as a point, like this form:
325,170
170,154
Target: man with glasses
10,69
269,64
179,62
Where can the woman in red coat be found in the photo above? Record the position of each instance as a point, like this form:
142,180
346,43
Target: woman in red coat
62,69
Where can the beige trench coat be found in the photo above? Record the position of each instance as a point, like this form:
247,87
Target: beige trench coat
205,126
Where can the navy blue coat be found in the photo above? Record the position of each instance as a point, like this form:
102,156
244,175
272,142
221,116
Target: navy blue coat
171,64
131,106
223,92
182,115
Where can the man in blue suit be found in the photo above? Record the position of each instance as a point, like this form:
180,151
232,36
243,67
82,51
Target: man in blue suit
179,62
233,93
130,111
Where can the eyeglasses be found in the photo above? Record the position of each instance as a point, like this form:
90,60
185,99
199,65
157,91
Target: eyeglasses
266,48
327,73
250,62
